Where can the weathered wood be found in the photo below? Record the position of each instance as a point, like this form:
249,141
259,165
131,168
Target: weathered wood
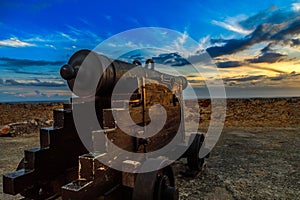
63,165
48,167
128,179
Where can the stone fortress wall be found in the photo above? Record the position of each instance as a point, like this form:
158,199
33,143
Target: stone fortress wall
24,118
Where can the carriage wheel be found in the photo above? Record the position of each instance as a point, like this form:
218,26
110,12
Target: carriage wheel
155,185
194,162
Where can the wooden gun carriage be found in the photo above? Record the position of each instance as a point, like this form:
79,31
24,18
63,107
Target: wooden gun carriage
64,166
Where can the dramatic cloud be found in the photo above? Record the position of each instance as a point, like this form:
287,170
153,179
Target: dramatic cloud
15,42
244,78
291,79
295,42
291,29
282,76
269,16
267,49
25,62
276,27
232,24
279,77
173,59
235,45
264,68
196,81
268,58
228,64
293,73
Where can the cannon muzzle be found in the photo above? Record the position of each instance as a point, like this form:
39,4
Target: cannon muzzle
67,72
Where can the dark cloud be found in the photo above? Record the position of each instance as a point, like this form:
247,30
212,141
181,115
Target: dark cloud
244,78
284,76
173,59
25,62
277,16
268,58
291,29
256,19
194,81
263,68
260,79
281,16
228,64
279,77
35,82
275,27
217,41
231,46
293,73
268,48
268,55
234,45
295,42
192,76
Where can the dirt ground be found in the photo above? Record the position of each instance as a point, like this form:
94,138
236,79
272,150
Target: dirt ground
12,151
246,163
252,163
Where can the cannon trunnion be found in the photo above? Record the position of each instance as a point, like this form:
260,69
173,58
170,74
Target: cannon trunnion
66,166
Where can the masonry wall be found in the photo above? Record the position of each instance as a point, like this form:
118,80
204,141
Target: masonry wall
25,118
18,112
256,112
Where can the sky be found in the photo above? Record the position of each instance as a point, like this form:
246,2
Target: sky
254,44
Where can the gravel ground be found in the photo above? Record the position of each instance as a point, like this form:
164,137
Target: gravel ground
252,163
246,163
12,151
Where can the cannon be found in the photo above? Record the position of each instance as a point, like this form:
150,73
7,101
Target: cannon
65,166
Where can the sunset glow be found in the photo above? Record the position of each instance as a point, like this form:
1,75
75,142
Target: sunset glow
253,47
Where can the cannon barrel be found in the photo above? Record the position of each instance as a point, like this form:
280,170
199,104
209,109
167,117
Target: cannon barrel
80,165
111,71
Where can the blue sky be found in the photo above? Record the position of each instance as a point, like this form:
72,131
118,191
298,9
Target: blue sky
255,44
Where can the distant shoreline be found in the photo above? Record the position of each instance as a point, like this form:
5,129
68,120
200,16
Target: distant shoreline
25,102
68,101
